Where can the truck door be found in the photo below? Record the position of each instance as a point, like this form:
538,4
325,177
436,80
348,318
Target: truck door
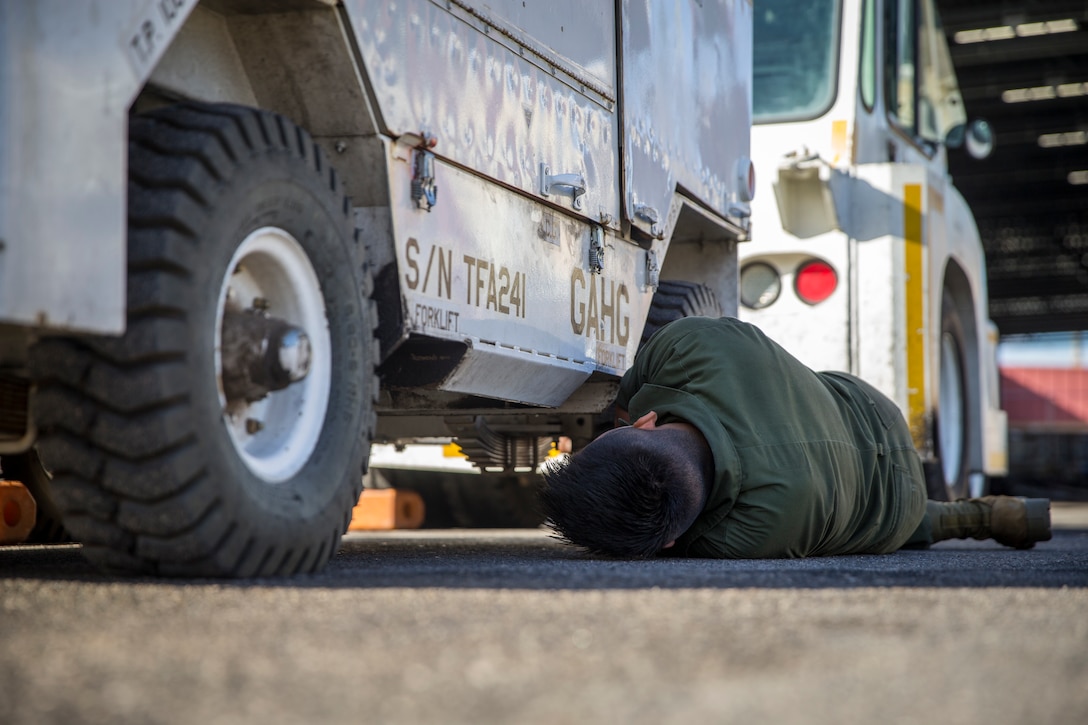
687,67
923,105
508,89
922,98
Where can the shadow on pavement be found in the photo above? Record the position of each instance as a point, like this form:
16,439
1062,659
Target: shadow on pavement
530,559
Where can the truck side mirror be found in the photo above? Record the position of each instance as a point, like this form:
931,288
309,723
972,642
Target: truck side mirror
977,137
980,138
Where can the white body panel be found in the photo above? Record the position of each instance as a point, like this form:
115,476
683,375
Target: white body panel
68,73
486,91
690,61
505,91
507,274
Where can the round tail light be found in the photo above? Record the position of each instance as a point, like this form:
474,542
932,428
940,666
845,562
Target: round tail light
815,281
760,285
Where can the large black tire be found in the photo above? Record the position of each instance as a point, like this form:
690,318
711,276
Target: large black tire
27,469
675,299
153,470
948,476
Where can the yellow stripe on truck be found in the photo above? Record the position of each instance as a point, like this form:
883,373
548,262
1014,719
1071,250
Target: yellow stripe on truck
915,303
838,141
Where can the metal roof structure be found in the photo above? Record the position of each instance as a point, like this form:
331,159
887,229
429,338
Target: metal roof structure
1023,66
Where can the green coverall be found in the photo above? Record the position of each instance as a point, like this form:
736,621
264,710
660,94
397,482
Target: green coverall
805,463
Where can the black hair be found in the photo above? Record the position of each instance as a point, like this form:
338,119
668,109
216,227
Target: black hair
619,498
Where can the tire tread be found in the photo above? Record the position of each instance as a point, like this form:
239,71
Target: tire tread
675,299
114,412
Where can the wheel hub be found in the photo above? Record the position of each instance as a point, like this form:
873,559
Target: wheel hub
261,354
273,354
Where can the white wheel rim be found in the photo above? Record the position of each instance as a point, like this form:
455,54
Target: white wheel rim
951,423
270,264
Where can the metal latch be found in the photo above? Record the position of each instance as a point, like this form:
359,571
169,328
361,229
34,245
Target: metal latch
424,190
649,215
646,213
653,270
596,249
574,184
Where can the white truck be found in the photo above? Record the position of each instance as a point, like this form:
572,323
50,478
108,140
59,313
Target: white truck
242,239
865,258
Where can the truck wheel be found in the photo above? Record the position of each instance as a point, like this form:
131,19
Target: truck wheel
675,299
224,434
27,469
951,423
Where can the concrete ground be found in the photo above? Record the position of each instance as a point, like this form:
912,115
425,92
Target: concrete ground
511,627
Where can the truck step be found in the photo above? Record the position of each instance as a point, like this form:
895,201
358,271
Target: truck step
383,509
17,512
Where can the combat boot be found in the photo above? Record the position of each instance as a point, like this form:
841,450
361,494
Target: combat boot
1010,520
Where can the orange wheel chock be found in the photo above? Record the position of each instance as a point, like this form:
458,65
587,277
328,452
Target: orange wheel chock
382,509
18,512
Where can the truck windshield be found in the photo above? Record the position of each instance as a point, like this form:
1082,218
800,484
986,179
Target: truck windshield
795,60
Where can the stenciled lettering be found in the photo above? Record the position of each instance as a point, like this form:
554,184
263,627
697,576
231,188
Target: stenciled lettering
494,286
611,356
411,277
597,301
429,317
487,284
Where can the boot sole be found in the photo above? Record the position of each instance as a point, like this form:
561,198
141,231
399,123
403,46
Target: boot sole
1038,516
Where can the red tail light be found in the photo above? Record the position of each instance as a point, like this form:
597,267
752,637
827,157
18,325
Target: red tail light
815,281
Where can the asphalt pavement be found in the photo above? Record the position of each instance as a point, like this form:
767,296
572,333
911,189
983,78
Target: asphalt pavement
509,626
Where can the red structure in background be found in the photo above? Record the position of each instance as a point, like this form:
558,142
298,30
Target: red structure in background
1050,399
1047,411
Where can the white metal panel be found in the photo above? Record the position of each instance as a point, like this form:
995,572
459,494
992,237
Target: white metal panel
687,103
510,276
821,336
860,328
515,374
68,73
813,334
495,105
578,35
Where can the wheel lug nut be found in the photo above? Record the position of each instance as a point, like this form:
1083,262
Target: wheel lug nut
294,354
